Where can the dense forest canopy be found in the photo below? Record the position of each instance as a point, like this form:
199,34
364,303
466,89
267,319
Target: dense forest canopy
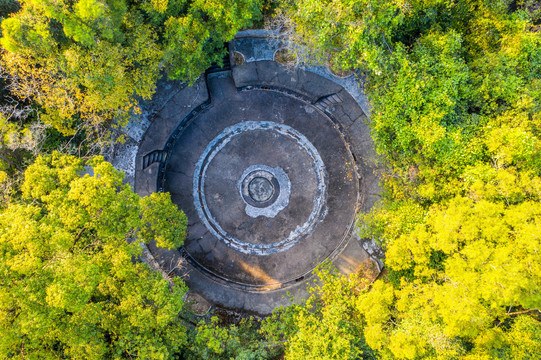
69,285
456,95
84,62
455,90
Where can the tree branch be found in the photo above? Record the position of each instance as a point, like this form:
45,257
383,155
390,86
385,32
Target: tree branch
523,312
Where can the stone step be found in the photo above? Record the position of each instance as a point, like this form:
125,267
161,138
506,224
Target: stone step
155,156
327,101
215,67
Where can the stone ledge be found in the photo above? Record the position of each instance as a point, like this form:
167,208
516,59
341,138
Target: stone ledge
306,83
163,125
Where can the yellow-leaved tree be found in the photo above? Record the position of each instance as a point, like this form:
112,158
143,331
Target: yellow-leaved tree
85,62
71,285
456,117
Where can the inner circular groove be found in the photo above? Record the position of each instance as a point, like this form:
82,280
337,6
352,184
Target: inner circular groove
230,135
260,189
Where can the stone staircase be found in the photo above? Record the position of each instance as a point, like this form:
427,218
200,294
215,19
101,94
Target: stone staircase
215,67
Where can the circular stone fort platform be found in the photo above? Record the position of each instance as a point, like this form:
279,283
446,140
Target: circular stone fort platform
271,166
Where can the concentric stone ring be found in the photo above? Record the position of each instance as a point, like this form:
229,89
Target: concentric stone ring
261,202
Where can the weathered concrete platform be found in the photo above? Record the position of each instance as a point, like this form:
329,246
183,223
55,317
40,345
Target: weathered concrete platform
311,141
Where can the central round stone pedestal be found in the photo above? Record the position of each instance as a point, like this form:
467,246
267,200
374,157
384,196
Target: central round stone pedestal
260,189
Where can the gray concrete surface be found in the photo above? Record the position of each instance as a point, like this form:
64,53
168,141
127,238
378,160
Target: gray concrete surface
181,130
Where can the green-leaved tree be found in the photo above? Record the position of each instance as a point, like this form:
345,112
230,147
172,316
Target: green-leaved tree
85,62
71,285
455,88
